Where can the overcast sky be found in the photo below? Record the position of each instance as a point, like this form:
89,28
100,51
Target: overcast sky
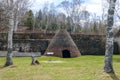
93,6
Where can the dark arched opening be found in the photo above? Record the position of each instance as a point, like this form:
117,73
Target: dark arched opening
66,54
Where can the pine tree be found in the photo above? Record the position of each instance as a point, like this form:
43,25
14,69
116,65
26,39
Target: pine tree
29,22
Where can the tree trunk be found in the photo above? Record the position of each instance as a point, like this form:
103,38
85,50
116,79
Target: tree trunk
109,38
74,29
10,36
16,24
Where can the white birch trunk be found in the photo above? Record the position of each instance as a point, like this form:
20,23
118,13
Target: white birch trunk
10,37
74,29
109,38
16,24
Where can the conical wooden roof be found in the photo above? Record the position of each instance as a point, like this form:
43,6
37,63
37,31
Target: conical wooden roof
62,45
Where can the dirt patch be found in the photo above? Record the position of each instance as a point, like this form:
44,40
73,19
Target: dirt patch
1,67
118,61
50,61
13,66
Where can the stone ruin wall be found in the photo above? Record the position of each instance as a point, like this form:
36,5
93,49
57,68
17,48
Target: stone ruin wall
87,44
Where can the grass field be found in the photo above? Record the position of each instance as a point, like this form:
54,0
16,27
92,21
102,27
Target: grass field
54,68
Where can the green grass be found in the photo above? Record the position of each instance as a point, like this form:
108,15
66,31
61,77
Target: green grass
81,68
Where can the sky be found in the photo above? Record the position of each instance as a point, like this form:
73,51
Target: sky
93,6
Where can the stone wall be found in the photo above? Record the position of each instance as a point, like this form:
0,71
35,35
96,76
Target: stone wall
26,45
31,45
90,44
87,44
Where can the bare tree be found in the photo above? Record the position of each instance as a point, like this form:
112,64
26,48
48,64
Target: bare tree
109,38
73,9
9,9
103,21
45,20
20,8
3,17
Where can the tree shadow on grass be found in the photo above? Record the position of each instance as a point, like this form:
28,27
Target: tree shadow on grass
12,66
113,76
1,67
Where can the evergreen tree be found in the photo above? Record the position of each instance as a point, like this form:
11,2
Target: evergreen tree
29,22
38,20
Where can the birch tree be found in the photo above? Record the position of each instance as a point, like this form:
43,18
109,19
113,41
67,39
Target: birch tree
9,9
109,38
